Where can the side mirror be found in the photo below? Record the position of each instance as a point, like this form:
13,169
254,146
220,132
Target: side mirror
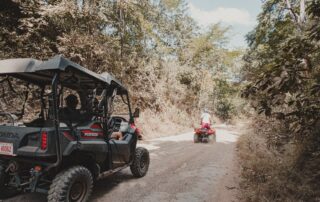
136,113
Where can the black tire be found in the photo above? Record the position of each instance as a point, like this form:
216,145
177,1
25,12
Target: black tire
73,184
195,138
141,161
212,139
5,192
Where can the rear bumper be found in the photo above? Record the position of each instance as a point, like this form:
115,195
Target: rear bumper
27,160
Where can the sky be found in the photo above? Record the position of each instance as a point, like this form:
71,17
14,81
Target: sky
239,14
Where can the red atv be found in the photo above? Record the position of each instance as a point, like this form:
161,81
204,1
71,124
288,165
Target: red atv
204,134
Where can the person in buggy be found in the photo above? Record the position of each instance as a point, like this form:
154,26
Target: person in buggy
70,112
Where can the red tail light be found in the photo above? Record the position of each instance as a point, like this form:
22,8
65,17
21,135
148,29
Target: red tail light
44,140
133,126
136,130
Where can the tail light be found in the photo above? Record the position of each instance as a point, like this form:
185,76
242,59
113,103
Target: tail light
44,140
136,130
132,126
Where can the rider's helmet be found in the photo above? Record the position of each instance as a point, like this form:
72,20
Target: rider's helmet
72,101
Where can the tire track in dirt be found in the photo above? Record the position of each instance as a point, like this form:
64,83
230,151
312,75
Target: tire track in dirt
160,167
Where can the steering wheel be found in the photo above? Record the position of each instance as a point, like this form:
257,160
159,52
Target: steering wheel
115,121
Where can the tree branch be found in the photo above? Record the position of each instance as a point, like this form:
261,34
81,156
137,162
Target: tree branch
292,13
302,11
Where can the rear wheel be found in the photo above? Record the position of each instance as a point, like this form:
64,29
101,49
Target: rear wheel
212,138
140,165
73,184
195,138
5,192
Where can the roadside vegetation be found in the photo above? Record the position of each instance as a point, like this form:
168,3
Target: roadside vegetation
172,69
280,153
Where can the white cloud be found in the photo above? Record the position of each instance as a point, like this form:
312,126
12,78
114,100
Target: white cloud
230,16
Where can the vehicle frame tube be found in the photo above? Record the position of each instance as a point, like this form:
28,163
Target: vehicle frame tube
54,87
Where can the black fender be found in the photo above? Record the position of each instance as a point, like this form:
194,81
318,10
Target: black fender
99,148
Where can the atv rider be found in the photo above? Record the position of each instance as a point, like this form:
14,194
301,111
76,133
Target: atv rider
205,119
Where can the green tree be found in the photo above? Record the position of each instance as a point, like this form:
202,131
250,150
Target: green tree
282,67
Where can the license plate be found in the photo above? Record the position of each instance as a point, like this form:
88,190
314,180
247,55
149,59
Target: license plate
6,148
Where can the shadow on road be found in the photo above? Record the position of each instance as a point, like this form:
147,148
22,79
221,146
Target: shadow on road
101,187
107,184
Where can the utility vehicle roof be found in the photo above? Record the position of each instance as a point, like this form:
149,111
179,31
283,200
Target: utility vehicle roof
72,75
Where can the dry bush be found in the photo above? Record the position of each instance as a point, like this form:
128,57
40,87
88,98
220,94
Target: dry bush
170,121
270,166
169,110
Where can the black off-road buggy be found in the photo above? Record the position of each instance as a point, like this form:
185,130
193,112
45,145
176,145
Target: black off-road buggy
62,157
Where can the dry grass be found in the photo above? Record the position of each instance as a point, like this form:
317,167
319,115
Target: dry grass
270,172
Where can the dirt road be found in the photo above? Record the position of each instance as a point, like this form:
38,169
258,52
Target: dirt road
179,171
